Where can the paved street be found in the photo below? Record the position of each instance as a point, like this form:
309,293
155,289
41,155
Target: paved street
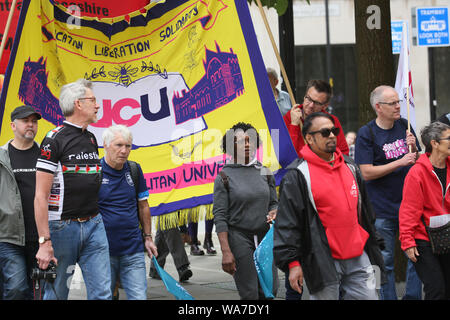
208,282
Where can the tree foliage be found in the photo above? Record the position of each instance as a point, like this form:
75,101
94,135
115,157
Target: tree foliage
279,5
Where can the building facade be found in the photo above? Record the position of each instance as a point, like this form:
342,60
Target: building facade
430,67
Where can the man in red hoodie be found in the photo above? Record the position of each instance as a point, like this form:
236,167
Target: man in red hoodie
317,98
324,231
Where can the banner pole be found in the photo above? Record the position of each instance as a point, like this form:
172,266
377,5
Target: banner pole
8,25
407,106
280,62
275,49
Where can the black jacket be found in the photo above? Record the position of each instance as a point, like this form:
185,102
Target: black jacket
299,233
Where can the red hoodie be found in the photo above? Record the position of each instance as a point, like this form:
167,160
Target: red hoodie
335,194
422,196
297,138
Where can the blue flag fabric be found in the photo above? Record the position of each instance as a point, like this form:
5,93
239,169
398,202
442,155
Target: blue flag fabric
171,284
263,257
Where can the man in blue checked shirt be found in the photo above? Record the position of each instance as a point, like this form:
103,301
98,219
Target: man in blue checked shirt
123,207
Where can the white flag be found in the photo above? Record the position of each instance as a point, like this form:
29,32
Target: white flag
403,81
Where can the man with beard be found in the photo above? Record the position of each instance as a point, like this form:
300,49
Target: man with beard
18,234
324,231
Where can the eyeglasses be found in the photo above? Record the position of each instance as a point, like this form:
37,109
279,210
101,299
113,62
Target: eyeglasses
448,139
325,132
391,104
93,99
317,103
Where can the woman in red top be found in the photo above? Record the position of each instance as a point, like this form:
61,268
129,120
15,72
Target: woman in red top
425,194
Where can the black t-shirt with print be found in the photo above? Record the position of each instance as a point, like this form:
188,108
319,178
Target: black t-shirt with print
23,163
71,155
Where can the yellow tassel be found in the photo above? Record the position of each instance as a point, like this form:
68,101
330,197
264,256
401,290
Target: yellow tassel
167,221
183,217
209,212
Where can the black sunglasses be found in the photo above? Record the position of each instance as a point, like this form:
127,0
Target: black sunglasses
327,131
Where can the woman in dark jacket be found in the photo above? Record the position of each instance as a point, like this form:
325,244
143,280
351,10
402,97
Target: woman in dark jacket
245,201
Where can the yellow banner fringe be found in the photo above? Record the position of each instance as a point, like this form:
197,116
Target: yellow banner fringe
183,217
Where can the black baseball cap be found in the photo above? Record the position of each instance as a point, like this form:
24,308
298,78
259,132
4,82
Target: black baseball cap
23,112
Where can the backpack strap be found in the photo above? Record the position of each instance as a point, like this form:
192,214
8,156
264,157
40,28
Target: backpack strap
225,180
404,122
372,135
134,174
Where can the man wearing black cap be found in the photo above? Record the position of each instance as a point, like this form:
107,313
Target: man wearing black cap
18,234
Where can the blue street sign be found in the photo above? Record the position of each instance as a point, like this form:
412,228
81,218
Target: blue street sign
432,26
396,30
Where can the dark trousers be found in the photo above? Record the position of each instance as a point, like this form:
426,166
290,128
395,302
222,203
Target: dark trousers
169,241
246,277
434,271
193,228
291,294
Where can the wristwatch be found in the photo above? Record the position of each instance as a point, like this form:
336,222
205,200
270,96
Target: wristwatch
43,239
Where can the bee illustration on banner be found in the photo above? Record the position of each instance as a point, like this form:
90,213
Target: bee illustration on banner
124,74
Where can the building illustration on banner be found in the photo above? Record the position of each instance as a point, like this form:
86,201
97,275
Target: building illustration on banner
159,103
221,84
34,91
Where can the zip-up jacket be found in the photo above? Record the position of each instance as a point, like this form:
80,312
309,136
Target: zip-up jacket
422,197
12,227
299,234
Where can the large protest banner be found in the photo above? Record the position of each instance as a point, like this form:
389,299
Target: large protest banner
177,73
94,8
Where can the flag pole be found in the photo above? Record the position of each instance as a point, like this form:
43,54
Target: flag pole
280,62
407,106
8,25
407,98
275,49
406,56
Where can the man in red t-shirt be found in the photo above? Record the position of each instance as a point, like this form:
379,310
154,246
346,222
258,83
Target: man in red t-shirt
317,98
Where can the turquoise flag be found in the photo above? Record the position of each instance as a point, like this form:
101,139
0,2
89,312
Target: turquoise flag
263,257
171,284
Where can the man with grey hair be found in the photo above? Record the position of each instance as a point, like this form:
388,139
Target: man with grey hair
66,210
385,151
123,204
282,97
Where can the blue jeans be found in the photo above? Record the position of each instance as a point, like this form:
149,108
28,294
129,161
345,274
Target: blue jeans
130,269
84,243
14,272
388,229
